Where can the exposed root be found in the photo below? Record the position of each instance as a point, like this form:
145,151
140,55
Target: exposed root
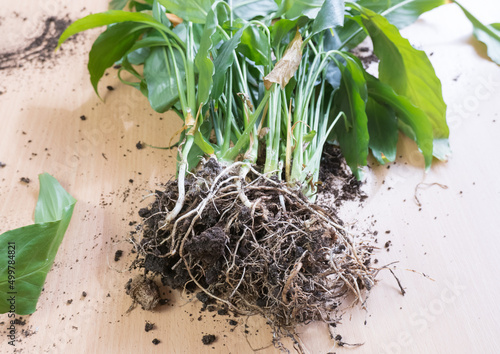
256,246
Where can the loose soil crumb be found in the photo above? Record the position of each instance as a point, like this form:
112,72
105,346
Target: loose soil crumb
2,165
149,326
156,341
84,294
25,180
82,117
139,145
208,339
118,255
272,253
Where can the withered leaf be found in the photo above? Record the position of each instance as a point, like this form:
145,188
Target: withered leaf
286,67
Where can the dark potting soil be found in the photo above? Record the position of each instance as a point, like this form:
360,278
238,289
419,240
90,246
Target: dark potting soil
40,49
281,255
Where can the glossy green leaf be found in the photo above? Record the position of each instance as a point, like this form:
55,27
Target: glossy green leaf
293,9
160,78
255,46
352,131
159,13
488,34
203,59
416,125
111,46
330,15
107,18
35,248
407,70
401,13
117,4
224,60
281,29
250,9
383,131
195,11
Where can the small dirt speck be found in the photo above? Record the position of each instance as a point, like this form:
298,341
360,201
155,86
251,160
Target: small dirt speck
149,326
118,255
25,180
82,117
139,145
156,341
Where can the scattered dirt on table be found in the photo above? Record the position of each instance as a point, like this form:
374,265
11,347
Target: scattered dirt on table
139,145
156,341
82,117
2,165
39,50
25,180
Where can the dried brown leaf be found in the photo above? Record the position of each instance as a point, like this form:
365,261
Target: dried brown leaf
286,67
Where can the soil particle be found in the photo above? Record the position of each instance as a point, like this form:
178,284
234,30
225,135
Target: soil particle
110,88
156,341
139,145
84,294
233,322
149,326
82,117
2,165
208,339
69,302
40,49
143,291
19,321
118,255
25,180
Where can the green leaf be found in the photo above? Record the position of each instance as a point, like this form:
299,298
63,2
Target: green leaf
416,125
383,131
203,60
224,60
159,13
35,248
352,132
488,34
330,15
250,9
255,46
111,46
117,4
194,11
401,13
280,30
108,18
407,70
292,9
160,76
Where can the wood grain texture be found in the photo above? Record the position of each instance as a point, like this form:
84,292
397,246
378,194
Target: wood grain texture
453,237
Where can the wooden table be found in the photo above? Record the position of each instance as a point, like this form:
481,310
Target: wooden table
453,237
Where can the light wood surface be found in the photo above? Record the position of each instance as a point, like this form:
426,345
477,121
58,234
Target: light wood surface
453,238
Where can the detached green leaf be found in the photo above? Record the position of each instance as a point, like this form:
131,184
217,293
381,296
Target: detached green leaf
159,73
352,131
35,248
330,15
383,130
415,123
250,9
407,70
111,46
195,11
488,34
